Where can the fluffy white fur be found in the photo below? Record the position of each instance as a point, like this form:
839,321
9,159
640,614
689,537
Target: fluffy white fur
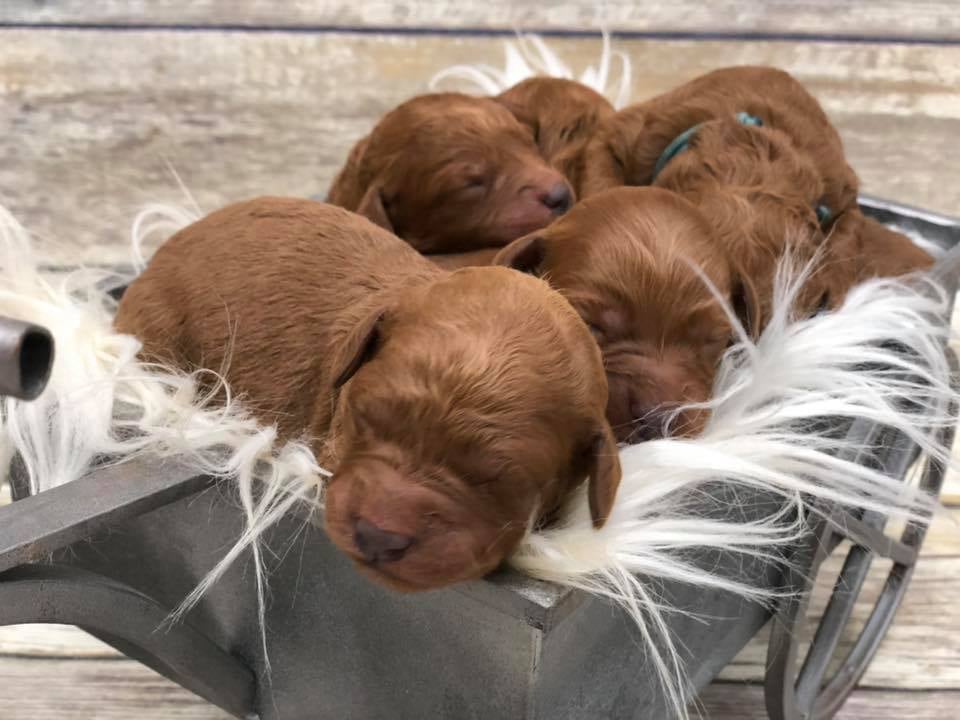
529,56
759,437
102,402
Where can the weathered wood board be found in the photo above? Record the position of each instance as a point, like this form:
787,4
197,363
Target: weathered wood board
241,114
735,701
887,18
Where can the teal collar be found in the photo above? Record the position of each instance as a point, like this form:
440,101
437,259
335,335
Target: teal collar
682,141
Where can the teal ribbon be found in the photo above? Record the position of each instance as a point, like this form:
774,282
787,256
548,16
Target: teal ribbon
682,141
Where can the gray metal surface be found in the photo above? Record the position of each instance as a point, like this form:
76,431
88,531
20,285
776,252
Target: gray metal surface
340,647
131,541
26,358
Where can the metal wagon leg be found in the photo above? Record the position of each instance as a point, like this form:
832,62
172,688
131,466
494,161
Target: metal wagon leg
32,591
806,695
131,621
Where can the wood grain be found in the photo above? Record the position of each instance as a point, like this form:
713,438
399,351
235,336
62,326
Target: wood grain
921,648
891,18
55,689
53,641
735,701
93,117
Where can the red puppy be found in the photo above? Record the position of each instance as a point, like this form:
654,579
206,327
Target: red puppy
451,173
451,421
756,153
635,263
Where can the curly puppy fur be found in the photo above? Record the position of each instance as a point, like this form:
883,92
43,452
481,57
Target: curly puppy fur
760,186
450,422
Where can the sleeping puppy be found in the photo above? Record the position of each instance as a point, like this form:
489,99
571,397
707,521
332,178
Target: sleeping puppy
451,422
756,153
635,263
451,173
628,149
563,116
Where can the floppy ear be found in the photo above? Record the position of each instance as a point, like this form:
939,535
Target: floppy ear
603,475
371,207
516,100
346,189
525,254
358,347
603,164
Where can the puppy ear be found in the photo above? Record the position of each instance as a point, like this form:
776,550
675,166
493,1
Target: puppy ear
525,254
603,475
516,100
371,207
358,347
346,189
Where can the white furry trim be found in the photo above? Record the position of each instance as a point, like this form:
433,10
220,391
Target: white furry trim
529,56
102,401
760,437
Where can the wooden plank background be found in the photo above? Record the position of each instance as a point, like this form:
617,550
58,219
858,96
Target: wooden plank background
99,99
96,115
905,19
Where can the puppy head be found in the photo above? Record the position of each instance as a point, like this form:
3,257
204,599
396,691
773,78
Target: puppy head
762,197
626,259
562,115
449,172
468,410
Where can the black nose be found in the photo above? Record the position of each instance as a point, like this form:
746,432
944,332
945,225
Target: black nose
649,423
379,546
559,199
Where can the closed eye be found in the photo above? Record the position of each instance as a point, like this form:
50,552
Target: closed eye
598,333
474,186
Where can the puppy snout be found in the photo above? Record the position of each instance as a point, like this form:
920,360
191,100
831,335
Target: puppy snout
558,198
378,546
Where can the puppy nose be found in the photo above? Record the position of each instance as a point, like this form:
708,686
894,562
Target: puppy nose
559,199
649,423
379,546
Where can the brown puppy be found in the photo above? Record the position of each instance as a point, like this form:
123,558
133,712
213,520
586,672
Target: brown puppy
450,421
783,185
628,261
563,116
862,248
451,173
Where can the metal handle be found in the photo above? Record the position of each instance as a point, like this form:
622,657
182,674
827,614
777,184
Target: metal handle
26,358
